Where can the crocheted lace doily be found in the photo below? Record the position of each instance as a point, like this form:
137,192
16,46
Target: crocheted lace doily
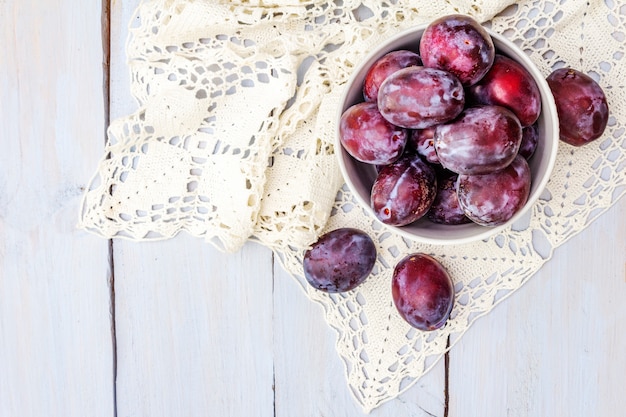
233,140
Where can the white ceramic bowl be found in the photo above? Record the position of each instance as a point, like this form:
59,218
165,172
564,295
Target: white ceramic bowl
360,176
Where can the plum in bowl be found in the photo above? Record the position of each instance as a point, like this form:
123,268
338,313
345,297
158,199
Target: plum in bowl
361,176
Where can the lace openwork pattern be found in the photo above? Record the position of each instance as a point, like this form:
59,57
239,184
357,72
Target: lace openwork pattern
233,140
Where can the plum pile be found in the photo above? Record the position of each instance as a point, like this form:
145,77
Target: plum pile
457,104
450,127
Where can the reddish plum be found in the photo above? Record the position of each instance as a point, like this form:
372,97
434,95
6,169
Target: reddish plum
460,45
581,105
423,142
418,97
446,209
384,67
340,260
404,191
509,84
530,139
369,137
493,199
482,139
422,291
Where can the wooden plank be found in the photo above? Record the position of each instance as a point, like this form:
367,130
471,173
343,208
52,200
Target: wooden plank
193,325
194,329
55,329
556,346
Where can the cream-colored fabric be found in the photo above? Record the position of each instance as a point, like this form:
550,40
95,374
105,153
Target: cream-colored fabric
233,140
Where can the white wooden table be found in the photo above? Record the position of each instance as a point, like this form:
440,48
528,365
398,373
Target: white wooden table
95,328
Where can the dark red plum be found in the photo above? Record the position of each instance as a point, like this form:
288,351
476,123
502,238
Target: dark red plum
369,137
446,209
340,260
530,139
384,67
404,191
422,141
422,291
460,45
581,105
418,97
482,139
509,84
493,199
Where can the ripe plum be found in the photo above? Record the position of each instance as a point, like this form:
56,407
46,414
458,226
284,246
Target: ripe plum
460,45
510,85
384,67
482,139
419,97
530,139
446,209
493,199
369,137
423,142
404,190
581,105
422,291
340,260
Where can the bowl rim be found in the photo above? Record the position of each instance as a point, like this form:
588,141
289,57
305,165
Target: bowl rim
502,45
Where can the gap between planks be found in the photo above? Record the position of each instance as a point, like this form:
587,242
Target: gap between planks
446,379
106,94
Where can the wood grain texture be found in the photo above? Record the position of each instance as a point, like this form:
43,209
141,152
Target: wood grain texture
194,329
55,329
